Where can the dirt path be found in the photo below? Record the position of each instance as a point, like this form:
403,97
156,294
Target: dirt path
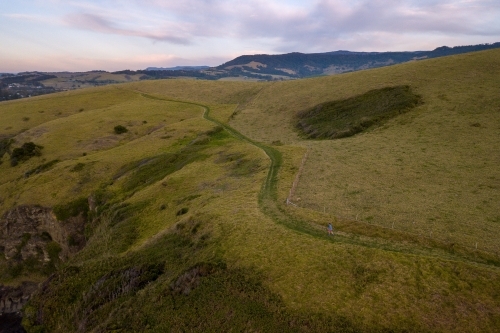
279,213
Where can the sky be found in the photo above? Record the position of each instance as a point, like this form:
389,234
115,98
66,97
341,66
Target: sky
72,35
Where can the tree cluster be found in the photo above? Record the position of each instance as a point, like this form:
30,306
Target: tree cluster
25,152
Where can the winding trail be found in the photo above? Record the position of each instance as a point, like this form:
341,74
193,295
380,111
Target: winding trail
268,203
268,195
269,188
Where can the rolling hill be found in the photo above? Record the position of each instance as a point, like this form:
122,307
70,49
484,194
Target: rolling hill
209,212
259,67
299,65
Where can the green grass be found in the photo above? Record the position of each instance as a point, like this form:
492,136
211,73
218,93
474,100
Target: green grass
191,230
169,295
148,171
411,172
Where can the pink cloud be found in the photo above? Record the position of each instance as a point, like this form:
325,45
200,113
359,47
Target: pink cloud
289,25
98,23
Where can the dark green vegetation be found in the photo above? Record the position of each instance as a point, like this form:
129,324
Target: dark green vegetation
5,144
24,153
148,171
32,265
71,209
77,167
207,74
41,168
120,129
344,118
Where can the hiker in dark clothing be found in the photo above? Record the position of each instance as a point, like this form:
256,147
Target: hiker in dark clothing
330,229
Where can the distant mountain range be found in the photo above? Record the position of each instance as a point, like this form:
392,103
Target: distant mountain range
178,68
256,67
298,65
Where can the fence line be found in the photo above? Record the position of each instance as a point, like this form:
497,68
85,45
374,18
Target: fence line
432,234
296,180
487,249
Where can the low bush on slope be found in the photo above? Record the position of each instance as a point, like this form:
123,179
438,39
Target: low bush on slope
343,118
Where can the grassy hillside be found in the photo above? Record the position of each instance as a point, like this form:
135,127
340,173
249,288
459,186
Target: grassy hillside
431,171
192,232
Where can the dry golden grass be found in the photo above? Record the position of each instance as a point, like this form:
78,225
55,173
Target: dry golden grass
42,109
428,163
377,288
87,137
207,92
433,171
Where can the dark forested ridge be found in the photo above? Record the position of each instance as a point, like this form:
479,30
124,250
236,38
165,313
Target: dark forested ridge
301,64
178,68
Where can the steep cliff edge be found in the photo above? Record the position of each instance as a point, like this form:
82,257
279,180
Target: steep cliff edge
12,299
33,232
32,240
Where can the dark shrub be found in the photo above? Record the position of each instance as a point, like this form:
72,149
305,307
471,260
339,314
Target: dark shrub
25,152
4,146
53,250
347,117
77,167
72,209
119,129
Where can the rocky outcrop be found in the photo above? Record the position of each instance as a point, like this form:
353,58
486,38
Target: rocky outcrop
31,231
12,299
32,236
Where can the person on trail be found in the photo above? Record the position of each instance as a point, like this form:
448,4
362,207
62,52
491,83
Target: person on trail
330,229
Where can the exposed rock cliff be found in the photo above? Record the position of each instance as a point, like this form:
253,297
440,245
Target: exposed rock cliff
12,299
34,232
32,236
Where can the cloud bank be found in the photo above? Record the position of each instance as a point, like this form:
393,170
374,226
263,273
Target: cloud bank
99,24
223,29
291,24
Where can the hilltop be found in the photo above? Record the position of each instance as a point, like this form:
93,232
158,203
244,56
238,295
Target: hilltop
259,67
178,68
193,205
299,65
